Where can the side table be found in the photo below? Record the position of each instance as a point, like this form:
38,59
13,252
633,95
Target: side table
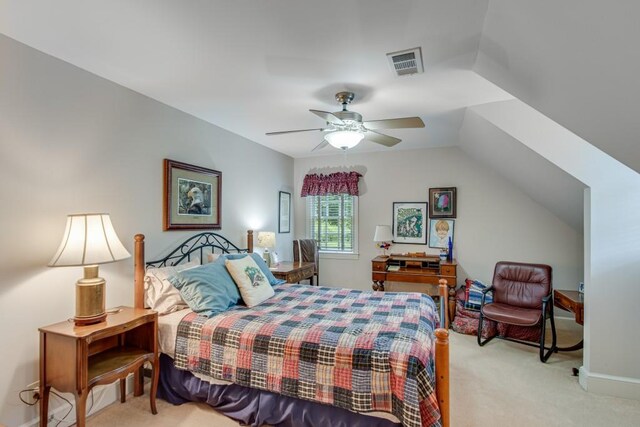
74,359
294,272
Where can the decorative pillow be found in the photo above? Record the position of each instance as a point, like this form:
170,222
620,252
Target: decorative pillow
254,286
263,266
208,289
211,257
159,294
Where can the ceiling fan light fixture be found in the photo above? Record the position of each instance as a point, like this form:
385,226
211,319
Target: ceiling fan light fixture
344,139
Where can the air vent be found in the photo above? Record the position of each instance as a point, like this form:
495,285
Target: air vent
406,62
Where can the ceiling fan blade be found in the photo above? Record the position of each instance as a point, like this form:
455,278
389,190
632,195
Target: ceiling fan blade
292,131
379,138
404,122
320,146
329,117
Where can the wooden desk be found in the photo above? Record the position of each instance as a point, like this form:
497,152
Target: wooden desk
572,301
294,272
74,359
427,270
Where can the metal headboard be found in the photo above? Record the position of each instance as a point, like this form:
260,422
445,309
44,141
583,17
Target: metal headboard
196,245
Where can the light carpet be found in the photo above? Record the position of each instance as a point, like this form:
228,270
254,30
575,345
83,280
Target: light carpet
501,384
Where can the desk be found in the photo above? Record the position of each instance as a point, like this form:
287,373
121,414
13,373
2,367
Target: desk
294,272
572,301
423,272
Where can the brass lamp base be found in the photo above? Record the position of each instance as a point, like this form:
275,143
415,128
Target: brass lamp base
90,306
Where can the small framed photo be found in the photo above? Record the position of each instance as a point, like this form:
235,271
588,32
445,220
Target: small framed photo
442,202
440,230
284,212
191,197
410,222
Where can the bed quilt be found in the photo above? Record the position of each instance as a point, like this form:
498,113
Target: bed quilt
358,350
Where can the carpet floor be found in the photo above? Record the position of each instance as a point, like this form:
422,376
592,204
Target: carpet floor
501,384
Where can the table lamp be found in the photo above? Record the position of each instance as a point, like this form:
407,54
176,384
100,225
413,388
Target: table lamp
383,238
89,240
266,240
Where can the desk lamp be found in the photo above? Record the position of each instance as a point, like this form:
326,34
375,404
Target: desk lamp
383,238
266,240
89,240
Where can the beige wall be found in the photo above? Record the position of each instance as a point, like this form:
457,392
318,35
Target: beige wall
72,142
495,220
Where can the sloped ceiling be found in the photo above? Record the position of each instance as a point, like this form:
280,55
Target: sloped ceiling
576,61
253,67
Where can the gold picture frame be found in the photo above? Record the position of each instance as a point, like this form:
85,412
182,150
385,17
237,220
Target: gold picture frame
191,197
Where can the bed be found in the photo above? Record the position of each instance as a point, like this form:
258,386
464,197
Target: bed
312,356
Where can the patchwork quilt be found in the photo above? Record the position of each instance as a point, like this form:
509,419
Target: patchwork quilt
358,350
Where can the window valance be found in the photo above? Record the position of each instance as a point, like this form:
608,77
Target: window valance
333,183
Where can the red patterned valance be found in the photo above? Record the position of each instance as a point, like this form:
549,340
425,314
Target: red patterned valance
334,183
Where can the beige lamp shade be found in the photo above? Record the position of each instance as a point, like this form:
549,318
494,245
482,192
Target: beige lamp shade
89,239
383,234
266,239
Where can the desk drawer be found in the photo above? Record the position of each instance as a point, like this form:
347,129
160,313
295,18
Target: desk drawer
379,266
448,270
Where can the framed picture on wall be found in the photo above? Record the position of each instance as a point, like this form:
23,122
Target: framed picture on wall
410,222
439,231
191,197
284,212
442,202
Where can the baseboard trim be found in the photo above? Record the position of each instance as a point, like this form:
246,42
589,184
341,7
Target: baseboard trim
609,385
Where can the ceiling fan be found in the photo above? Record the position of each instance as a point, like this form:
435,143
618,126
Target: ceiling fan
345,129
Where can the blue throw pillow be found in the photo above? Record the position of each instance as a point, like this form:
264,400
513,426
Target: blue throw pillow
263,266
208,289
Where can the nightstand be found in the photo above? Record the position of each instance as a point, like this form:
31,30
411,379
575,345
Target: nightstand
74,359
294,272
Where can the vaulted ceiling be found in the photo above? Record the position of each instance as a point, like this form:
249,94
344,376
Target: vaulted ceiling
254,67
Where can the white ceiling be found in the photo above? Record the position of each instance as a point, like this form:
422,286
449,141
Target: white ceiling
254,67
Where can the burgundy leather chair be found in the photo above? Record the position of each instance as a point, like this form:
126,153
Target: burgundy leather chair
523,296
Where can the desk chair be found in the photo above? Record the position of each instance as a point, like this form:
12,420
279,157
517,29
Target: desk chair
306,250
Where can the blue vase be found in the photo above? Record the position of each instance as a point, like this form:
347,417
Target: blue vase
450,254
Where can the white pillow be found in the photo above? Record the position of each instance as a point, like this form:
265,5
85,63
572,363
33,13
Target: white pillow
159,294
251,281
211,257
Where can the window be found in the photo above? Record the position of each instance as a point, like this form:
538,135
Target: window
333,221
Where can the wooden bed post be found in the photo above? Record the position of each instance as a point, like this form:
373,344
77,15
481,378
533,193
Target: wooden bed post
442,354
138,275
442,374
250,241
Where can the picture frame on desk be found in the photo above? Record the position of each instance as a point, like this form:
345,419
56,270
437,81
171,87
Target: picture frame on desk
410,222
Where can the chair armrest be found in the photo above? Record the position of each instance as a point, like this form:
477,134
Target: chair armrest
490,288
484,294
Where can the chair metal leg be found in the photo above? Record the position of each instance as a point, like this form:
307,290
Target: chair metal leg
545,356
480,322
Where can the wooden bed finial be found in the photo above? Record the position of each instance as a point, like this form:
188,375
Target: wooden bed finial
138,270
250,241
443,291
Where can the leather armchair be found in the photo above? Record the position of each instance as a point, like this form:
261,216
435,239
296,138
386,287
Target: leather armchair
306,250
522,295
